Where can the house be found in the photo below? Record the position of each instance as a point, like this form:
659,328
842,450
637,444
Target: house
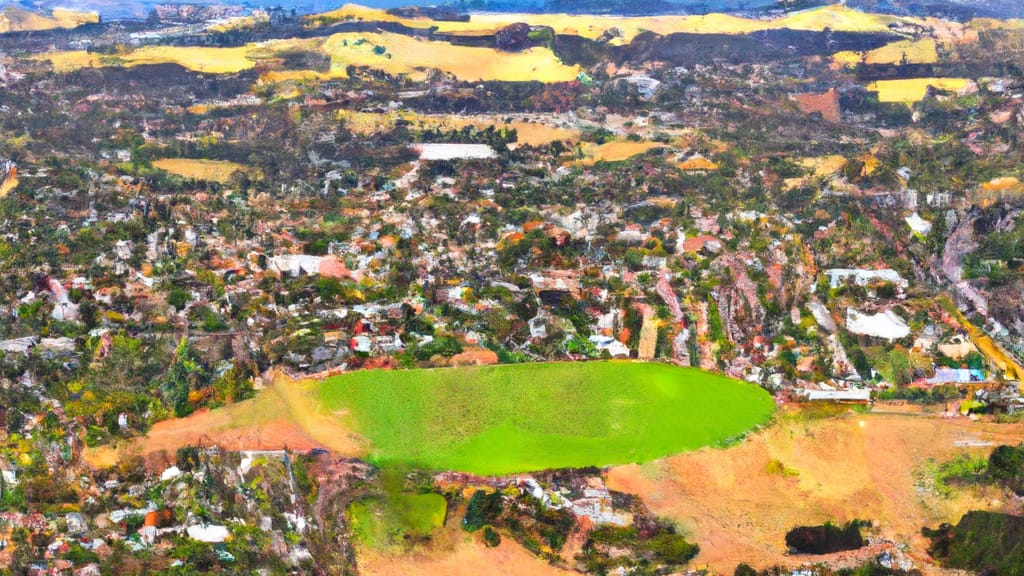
709,244
854,395
18,345
837,276
885,324
958,347
945,375
556,286
614,348
209,533
441,151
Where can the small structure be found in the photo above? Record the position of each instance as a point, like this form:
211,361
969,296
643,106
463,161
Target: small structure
852,395
881,325
209,533
439,151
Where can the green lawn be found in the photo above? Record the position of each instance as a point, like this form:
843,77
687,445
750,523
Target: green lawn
526,417
385,521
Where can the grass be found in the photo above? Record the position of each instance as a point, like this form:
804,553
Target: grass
396,516
208,170
383,522
517,418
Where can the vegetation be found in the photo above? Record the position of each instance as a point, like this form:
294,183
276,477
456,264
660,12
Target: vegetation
986,542
531,417
825,539
660,547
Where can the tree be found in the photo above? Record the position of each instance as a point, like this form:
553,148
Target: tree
899,365
186,374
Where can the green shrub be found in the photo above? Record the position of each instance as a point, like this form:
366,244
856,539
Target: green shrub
483,509
491,537
1006,465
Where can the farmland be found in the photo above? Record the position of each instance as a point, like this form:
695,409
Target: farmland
838,18
910,90
507,419
209,170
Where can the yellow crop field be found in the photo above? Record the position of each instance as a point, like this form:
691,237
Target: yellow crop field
17,19
923,51
615,151
534,134
392,53
209,170
912,90
825,165
527,133
399,54
197,58
837,17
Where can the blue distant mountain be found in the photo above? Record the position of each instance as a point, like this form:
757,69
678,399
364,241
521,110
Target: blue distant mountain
961,9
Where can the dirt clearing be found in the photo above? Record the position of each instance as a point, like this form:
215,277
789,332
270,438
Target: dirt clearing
854,466
285,415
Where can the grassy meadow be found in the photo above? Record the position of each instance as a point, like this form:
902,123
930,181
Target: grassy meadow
517,418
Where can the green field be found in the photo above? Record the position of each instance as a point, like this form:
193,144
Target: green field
381,522
527,417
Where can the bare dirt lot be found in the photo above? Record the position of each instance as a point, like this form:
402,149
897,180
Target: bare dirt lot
456,553
285,415
854,466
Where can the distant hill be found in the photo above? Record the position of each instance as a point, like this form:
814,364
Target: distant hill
957,9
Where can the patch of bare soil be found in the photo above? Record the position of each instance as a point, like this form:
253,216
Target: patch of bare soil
456,553
285,415
854,466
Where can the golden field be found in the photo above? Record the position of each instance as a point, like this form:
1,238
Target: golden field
837,17
197,58
527,133
912,90
392,53
209,170
615,151
17,19
413,56
923,51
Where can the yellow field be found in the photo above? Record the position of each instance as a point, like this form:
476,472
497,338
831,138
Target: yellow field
838,18
17,19
921,51
209,170
197,58
820,167
615,151
412,56
825,165
527,133
392,53
912,90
